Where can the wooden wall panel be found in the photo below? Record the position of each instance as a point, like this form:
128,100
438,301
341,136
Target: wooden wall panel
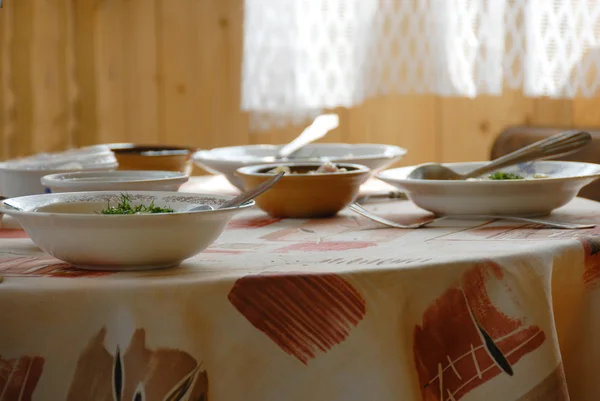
109,21
200,54
220,68
6,94
406,121
79,72
551,112
140,73
21,53
231,23
586,112
84,42
179,52
70,92
468,127
48,70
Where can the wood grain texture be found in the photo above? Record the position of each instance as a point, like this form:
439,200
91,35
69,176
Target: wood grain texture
109,20
6,88
84,50
21,50
407,121
468,127
49,87
179,24
140,73
80,72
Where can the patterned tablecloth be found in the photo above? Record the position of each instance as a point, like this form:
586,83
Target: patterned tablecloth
327,310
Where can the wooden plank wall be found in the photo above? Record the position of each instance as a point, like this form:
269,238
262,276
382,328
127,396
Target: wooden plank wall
80,72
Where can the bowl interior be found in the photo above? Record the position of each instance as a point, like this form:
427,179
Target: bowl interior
306,169
150,150
311,151
92,203
72,208
114,176
547,169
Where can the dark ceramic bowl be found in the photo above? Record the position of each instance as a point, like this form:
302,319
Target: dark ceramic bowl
153,157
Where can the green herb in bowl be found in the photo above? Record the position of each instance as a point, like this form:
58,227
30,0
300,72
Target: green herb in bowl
125,207
504,176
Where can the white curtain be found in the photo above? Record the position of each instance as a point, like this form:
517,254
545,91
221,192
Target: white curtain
301,56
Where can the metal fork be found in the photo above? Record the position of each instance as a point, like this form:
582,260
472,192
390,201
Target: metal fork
355,207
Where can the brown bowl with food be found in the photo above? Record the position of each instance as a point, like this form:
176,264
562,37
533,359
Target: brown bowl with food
153,157
307,190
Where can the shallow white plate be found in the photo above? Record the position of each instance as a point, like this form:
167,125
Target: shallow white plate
66,226
20,177
114,181
227,160
497,197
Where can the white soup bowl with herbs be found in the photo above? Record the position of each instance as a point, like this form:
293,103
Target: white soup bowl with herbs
121,231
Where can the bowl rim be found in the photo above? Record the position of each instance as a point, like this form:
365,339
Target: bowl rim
55,180
386,176
210,155
4,166
128,148
6,209
252,170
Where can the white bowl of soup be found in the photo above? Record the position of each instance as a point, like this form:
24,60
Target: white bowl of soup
113,230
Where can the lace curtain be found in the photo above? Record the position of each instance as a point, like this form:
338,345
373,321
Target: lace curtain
301,56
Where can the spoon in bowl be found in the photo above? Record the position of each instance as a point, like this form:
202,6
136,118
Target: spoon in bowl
317,130
244,196
556,145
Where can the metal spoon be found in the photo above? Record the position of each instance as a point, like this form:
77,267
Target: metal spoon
244,196
556,145
548,223
317,130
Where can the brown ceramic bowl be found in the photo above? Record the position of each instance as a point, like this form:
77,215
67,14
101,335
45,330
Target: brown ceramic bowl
304,195
153,157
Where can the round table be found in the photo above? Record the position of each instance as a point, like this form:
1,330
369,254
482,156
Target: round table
335,309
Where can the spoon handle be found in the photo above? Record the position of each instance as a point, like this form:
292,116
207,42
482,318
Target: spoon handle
253,193
317,130
556,145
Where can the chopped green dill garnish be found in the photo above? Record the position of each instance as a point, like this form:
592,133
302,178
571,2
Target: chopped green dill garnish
504,176
125,207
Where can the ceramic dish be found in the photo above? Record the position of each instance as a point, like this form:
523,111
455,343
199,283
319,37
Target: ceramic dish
69,227
22,177
526,197
227,160
153,157
303,195
114,181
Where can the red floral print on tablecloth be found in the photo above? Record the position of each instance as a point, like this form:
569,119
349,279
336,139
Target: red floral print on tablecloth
552,388
302,314
251,222
338,228
591,273
43,265
326,246
13,233
19,377
136,373
465,340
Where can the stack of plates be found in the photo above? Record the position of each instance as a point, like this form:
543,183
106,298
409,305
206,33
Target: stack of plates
19,177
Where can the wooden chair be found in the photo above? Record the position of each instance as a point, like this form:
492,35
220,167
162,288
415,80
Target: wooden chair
514,138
